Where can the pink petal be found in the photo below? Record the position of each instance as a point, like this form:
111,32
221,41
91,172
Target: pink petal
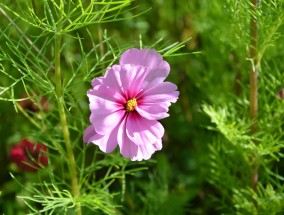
89,134
158,145
112,79
97,81
100,106
152,111
159,69
127,148
144,152
142,131
130,150
106,93
126,79
153,103
107,143
161,88
104,124
158,98
132,77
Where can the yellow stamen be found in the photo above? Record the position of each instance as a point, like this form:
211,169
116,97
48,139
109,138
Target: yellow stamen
130,104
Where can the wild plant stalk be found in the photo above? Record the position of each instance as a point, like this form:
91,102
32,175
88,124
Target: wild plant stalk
253,83
63,120
254,68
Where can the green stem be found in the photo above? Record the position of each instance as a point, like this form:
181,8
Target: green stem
254,69
63,120
254,85
27,116
34,7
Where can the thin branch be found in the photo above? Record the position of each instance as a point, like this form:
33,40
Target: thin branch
26,38
254,68
254,85
62,115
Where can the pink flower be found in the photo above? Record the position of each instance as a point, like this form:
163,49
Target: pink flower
29,156
126,103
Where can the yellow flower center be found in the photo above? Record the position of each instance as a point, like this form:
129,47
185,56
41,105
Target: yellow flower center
130,104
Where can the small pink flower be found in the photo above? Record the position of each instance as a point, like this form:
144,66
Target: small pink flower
126,103
29,156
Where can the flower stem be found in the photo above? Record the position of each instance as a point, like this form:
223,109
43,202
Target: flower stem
28,117
254,69
254,84
63,120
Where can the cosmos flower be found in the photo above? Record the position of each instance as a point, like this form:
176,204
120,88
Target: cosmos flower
127,102
29,156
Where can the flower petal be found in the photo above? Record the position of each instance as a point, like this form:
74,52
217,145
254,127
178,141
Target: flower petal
161,88
142,131
126,79
100,106
158,145
163,92
154,102
130,150
106,93
89,134
144,152
161,98
112,79
104,124
97,81
127,148
159,69
133,78
152,111
107,143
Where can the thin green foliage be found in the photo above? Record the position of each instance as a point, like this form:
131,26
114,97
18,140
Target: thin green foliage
75,15
29,64
236,153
